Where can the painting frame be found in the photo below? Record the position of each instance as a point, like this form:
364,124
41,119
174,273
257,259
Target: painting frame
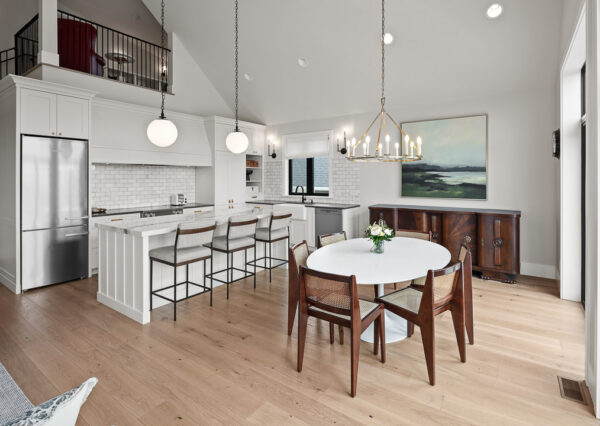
486,150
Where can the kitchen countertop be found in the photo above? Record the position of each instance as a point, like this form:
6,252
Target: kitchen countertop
112,212
324,205
148,227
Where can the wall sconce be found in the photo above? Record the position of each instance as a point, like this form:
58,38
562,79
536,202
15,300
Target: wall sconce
344,149
273,154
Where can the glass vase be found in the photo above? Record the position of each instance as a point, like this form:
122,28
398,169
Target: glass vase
377,247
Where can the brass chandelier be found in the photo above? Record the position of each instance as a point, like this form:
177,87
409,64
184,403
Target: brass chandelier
408,150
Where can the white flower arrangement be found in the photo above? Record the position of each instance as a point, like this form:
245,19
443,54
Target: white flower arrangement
379,232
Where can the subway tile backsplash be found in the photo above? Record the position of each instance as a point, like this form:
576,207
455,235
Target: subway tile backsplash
123,185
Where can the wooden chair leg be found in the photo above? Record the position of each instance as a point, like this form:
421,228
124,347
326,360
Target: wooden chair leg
341,330
458,318
376,336
410,329
302,325
355,345
469,310
331,333
427,334
381,321
292,306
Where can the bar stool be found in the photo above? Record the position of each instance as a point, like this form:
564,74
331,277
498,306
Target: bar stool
241,233
278,230
190,247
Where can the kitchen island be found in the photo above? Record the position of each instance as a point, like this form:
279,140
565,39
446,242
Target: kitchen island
124,262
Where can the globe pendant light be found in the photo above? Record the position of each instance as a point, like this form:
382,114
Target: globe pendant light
162,132
237,141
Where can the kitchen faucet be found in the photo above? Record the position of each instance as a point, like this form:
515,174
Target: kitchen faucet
303,194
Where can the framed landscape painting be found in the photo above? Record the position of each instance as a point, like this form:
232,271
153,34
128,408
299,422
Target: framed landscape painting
454,163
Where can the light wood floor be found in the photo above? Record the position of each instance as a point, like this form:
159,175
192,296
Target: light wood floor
234,363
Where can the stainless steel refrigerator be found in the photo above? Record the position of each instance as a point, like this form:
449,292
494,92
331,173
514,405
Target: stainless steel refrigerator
54,210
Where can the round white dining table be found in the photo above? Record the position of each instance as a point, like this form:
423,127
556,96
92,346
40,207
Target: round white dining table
404,259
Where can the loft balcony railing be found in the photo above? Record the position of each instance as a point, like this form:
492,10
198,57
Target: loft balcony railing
94,49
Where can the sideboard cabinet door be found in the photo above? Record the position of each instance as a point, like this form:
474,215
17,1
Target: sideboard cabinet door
498,243
459,228
413,220
388,215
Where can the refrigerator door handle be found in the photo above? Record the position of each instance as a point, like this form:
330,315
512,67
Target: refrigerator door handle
80,234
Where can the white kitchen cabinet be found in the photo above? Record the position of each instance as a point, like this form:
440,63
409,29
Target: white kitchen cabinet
50,114
72,117
93,236
38,112
298,231
255,139
230,178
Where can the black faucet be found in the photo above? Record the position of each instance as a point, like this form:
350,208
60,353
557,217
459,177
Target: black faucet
303,195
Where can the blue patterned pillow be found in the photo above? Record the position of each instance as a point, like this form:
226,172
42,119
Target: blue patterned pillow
62,410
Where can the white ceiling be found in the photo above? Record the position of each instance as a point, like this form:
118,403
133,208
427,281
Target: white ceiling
444,51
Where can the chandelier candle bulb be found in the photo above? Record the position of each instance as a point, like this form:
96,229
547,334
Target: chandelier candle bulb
412,149
419,142
397,149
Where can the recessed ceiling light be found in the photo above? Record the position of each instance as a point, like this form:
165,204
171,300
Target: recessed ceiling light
303,62
494,11
247,76
388,38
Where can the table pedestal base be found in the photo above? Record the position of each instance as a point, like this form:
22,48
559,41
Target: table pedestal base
395,326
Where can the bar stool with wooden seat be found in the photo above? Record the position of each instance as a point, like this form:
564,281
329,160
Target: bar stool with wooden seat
278,230
334,298
443,291
189,248
241,232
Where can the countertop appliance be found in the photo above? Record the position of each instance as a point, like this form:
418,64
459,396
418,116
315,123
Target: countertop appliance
178,200
327,221
54,210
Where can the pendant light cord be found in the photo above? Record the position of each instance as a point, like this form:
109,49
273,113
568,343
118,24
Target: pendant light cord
382,53
162,59
237,129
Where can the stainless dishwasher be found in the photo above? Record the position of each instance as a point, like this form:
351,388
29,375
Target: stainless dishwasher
327,221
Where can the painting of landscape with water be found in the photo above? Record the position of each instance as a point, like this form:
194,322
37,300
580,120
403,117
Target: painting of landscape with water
454,163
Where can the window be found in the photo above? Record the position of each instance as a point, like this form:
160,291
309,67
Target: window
309,175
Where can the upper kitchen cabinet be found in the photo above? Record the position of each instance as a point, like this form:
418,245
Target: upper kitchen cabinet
223,126
119,136
53,114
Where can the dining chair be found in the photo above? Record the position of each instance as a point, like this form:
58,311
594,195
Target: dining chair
334,298
407,233
464,256
298,255
189,248
443,291
326,239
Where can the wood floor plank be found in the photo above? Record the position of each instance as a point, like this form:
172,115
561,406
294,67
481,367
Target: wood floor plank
234,363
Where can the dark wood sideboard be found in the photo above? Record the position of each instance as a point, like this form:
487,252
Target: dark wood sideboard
491,235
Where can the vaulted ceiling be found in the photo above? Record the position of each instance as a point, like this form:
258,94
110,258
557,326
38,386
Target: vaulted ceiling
444,51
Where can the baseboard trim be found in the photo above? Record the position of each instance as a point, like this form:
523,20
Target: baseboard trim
539,270
124,309
8,280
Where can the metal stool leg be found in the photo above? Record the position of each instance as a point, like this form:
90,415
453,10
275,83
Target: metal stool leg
228,280
211,271
174,293
254,263
151,276
270,262
187,281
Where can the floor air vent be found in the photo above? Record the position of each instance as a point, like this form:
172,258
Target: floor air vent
572,390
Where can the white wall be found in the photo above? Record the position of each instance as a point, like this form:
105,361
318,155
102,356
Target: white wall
522,173
14,14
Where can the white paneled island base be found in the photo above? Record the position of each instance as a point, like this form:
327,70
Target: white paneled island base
124,262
